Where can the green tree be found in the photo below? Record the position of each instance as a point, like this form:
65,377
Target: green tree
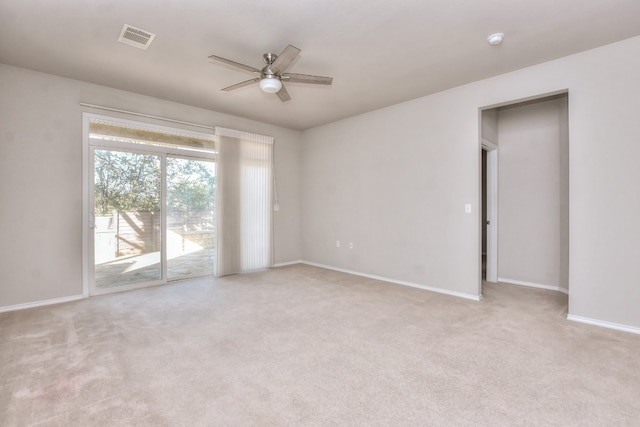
131,182
126,181
190,185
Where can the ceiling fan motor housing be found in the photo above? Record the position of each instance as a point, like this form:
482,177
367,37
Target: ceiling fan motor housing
270,81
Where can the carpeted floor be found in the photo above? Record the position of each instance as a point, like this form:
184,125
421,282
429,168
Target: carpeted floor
303,346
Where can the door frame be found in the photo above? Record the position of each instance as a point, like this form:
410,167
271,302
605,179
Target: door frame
492,182
88,218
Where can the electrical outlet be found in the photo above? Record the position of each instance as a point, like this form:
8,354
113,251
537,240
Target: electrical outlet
350,245
276,207
337,243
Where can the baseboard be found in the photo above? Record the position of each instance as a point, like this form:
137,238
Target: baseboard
398,282
604,324
533,285
40,303
284,264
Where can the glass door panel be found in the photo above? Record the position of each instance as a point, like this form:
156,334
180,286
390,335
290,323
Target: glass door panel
190,218
128,222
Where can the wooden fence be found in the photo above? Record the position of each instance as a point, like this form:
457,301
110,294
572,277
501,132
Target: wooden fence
139,232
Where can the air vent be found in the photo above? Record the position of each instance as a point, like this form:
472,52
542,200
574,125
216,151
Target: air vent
135,37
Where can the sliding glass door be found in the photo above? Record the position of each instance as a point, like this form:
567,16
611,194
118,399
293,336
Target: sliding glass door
151,205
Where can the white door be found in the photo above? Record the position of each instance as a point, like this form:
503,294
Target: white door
491,225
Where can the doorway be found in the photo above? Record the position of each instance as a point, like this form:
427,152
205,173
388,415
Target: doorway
531,141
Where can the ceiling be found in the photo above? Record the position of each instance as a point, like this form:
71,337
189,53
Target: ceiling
379,52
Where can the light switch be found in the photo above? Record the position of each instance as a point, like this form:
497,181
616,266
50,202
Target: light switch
467,208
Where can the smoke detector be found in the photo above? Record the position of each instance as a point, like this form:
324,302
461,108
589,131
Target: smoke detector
495,39
135,37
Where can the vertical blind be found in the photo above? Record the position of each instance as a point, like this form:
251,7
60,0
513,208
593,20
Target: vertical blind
244,199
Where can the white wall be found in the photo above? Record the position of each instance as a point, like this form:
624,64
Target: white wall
395,182
533,201
489,123
41,178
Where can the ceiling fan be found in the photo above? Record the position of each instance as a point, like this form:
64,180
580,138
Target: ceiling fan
273,74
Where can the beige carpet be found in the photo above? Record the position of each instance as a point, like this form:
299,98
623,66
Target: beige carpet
302,346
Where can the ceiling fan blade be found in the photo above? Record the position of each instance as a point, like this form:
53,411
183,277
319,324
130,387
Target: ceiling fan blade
234,64
285,59
241,84
306,78
283,94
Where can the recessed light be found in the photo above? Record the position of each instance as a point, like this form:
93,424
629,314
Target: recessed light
495,39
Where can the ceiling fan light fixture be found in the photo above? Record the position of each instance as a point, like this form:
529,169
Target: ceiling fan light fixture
270,84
